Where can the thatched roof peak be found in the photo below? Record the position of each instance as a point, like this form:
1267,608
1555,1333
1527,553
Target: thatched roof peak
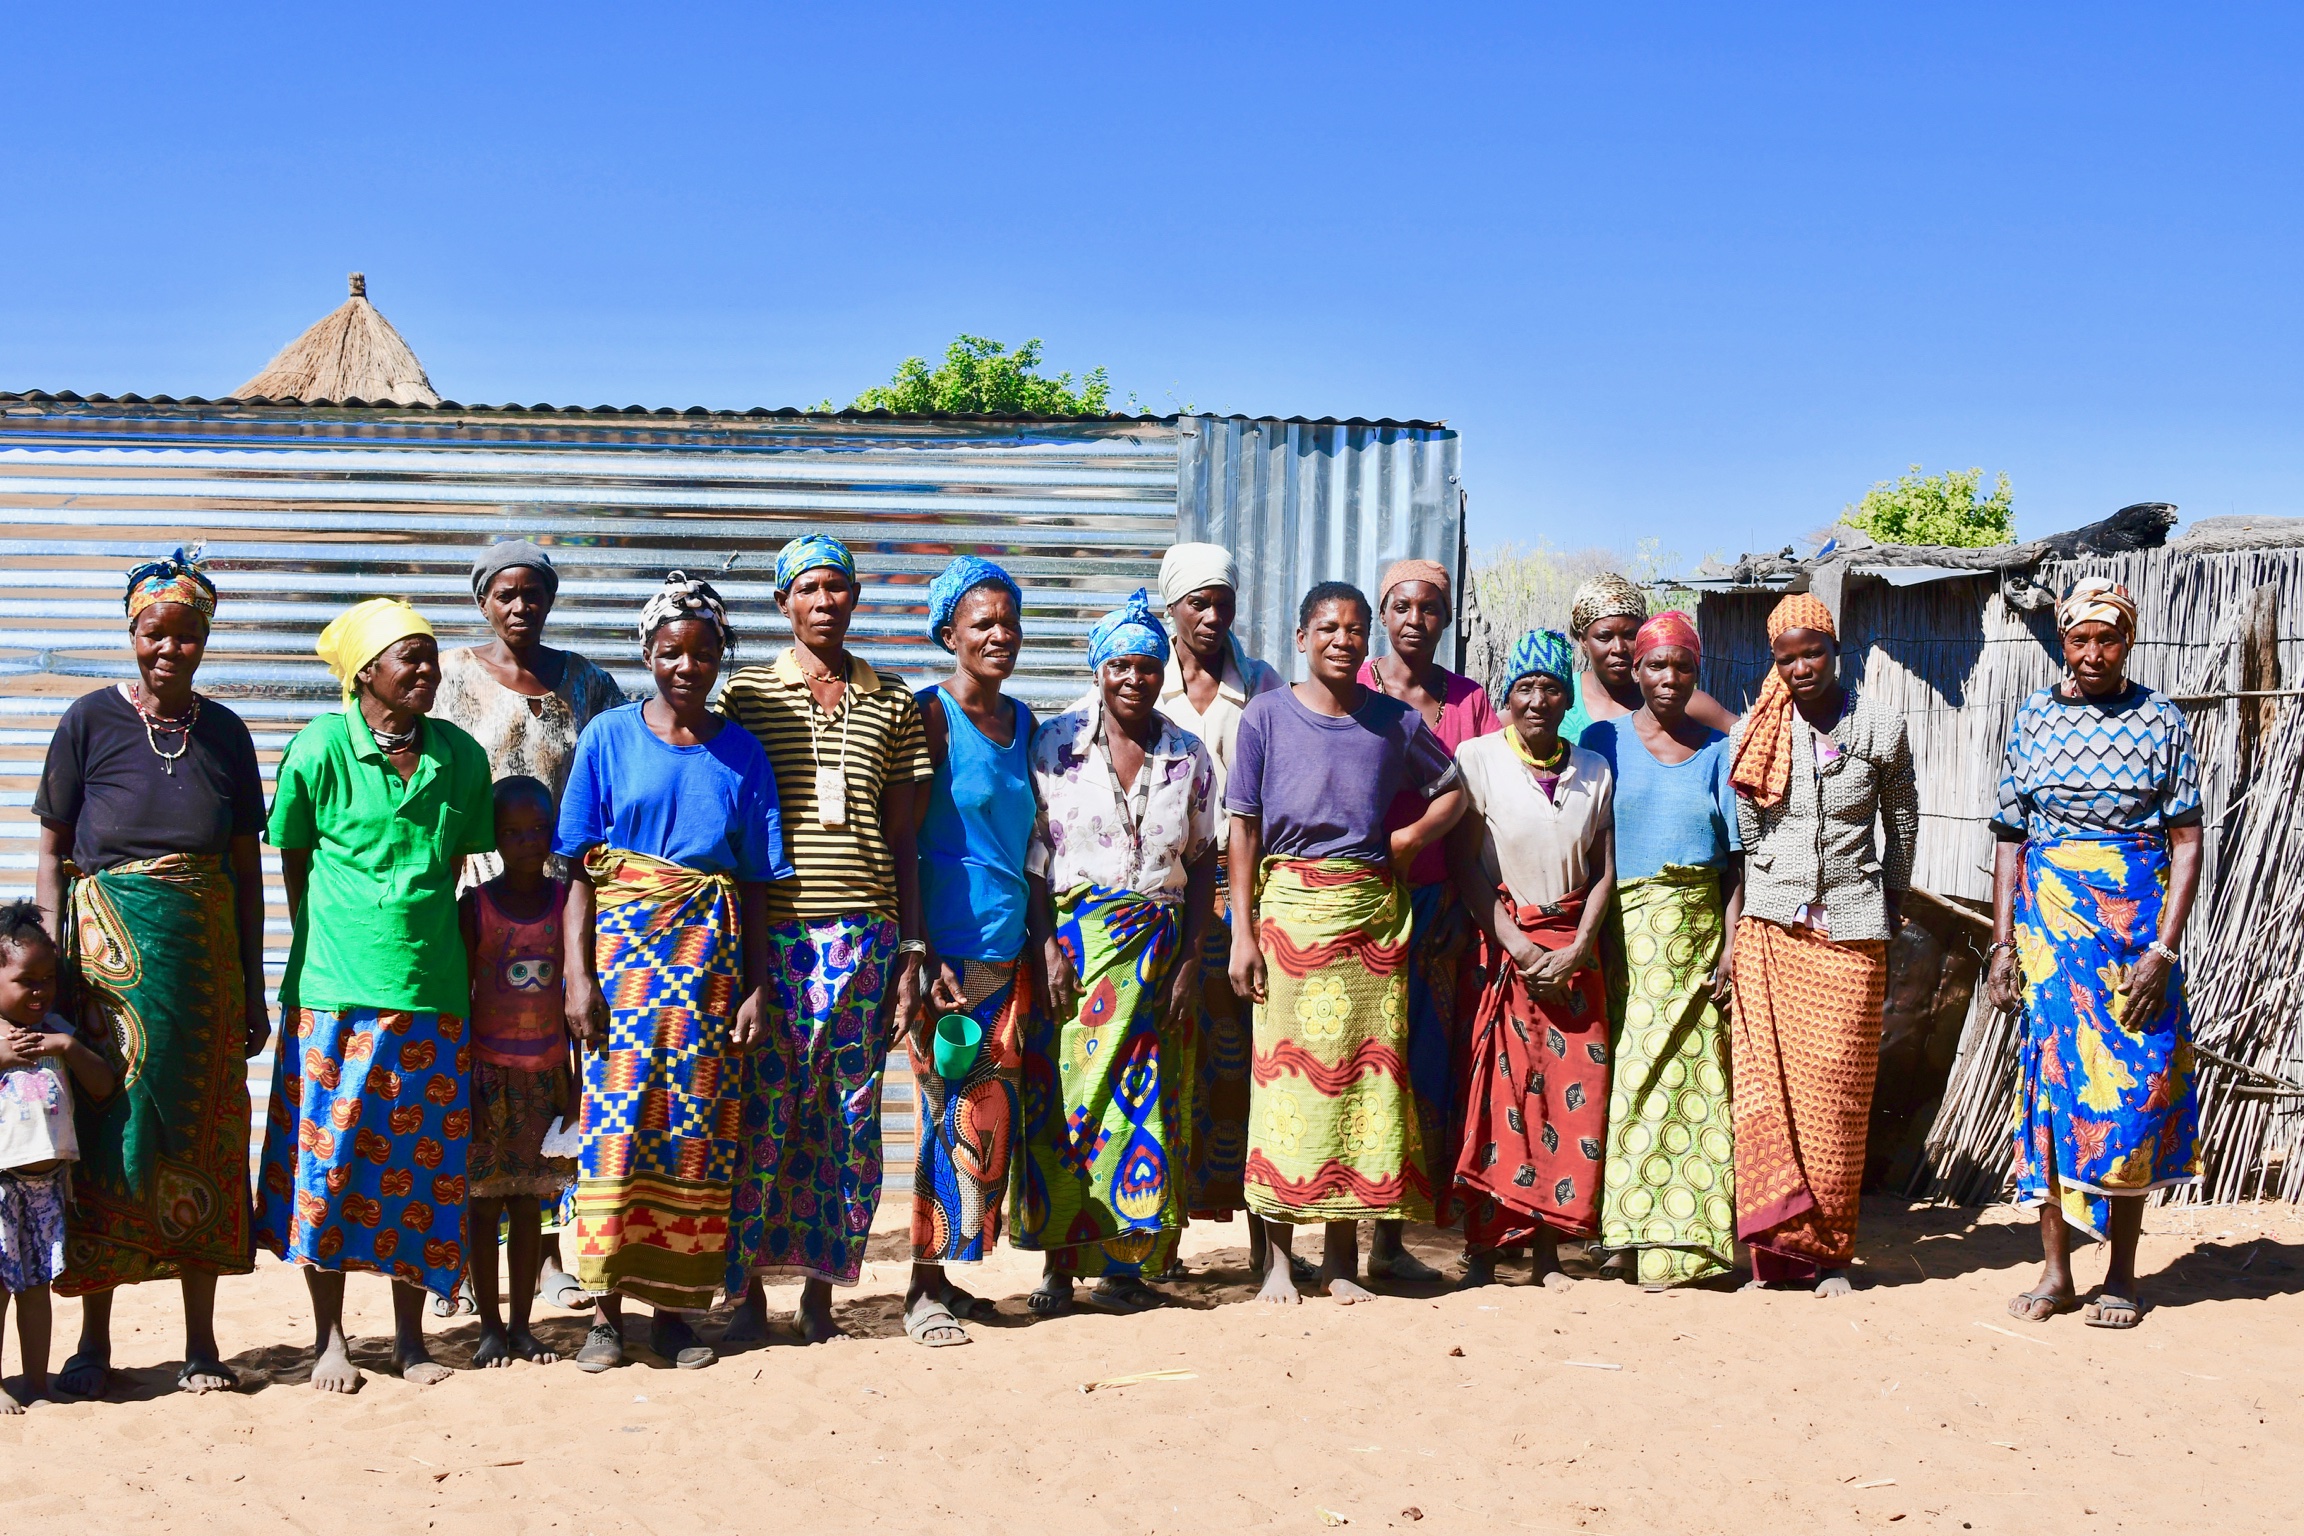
351,353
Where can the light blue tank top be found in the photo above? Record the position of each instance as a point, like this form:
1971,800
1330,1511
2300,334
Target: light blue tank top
1667,813
980,812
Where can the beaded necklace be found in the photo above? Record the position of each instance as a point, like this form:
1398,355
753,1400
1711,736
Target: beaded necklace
157,725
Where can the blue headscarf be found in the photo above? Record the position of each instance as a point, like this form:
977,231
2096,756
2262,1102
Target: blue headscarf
1546,651
809,552
1131,631
964,575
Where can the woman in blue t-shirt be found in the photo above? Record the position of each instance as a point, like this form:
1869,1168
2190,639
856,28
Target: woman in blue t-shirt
672,833
974,828
1668,1192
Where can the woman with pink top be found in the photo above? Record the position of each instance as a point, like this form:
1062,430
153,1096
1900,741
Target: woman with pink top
1414,603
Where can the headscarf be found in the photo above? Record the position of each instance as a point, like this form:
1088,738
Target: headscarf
964,575
682,598
1131,631
176,579
811,552
360,634
1542,650
2097,600
1415,570
1186,568
512,555
1762,769
1671,627
1607,596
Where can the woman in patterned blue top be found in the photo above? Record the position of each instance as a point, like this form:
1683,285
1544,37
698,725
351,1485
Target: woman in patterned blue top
2099,857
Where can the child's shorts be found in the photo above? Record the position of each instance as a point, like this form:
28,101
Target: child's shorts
32,1227
511,1110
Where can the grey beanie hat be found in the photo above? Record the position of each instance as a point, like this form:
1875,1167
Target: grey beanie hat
496,559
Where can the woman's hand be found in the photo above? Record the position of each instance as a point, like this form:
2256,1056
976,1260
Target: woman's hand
584,1009
258,1026
750,1026
1547,971
1724,975
2148,982
1063,981
2004,980
903,1004
1181,1010
1403,847
1247,968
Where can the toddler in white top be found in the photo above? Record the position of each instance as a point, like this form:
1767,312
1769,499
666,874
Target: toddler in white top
37,1142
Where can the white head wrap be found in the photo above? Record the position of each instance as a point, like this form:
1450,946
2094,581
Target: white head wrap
1186,568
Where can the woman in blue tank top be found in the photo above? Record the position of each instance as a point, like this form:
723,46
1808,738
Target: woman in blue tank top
979,815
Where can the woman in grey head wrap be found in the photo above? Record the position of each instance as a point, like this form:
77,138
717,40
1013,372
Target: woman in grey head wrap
1606,613
526,704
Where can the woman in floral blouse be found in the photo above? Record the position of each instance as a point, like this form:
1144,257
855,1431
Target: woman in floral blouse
1122,863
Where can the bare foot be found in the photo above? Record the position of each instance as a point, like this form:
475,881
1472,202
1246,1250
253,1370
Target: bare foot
1834,1282
8,1405
334,1370
1479,1270
1279,1287
748,1324
415,1366
494,1351
1402,1267
1348,1292
1753,1285
1559,1280
812,1320
526,1346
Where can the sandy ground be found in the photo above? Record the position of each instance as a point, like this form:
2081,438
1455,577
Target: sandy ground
1916,1403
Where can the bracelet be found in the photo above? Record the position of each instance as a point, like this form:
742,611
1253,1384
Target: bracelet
1996,946
2164,952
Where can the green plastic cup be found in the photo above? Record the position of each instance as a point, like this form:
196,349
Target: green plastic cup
958,1040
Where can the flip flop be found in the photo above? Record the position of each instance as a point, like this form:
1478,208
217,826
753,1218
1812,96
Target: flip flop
1388,1268
931,1316
80,1365
1050,1302
2024,1307
2097,1314
1106,1296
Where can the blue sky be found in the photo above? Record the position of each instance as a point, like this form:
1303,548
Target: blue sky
1695,273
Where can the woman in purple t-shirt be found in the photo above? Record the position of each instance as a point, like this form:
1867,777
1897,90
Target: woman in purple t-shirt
1414,604
1320,943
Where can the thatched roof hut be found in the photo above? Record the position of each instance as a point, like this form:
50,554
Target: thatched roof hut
1955,639
350,353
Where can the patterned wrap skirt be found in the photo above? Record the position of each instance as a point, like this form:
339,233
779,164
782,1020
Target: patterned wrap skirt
512,1111
1668,1190
32,1227
1216,1135
364,1144
967,1128
809,1180
2106,1104
661,1102
1806,1050
162,1184
1105,1095
1334,1134
1440,947
1535,1094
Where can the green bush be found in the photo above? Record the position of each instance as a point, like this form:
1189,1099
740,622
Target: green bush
1936,509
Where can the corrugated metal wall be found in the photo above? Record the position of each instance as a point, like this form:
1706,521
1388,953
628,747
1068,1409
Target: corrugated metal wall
1305,502
301,511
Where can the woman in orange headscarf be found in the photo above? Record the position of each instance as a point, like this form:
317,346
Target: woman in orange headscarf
1815,765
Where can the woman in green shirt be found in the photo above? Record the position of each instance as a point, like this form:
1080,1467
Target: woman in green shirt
374,811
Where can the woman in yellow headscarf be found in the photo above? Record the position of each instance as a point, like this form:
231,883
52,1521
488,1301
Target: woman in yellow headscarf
374,810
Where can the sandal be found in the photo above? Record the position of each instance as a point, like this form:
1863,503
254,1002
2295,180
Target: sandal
215,1368
1403,1268
931,1324
603,1349
1052,1298
562,1290
672,1338
2026,1307
2107,1310
1124,1295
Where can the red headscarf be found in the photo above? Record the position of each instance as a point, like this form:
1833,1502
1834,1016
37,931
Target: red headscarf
1671,627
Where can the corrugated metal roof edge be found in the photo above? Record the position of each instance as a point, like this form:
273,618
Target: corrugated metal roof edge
756,413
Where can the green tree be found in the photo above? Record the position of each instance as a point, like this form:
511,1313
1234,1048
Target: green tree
982,376
1936,509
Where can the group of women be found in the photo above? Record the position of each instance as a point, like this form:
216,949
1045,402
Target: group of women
1604,967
